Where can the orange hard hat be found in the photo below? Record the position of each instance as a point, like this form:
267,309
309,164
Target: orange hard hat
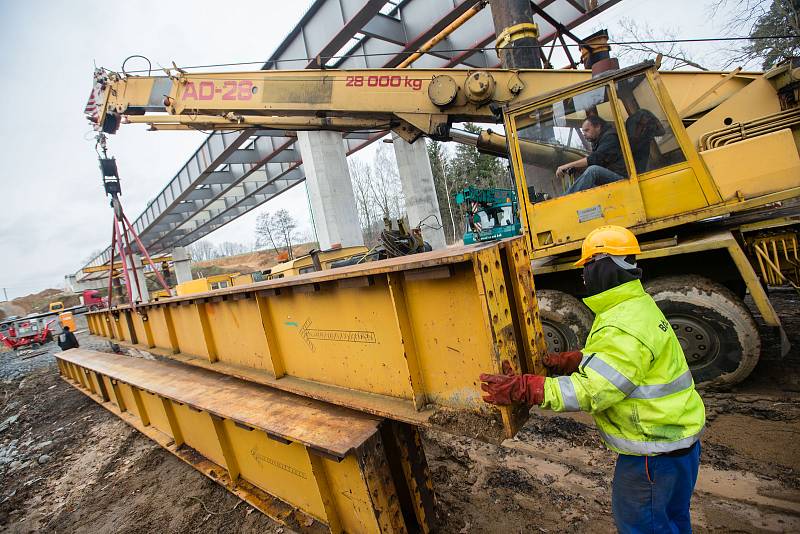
613,240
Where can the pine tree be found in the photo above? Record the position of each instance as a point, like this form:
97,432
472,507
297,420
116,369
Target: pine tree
470,167
782,18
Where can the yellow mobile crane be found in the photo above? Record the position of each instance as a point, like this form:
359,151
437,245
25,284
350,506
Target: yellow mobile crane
712,185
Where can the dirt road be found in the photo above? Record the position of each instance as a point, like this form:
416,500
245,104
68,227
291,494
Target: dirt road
67,465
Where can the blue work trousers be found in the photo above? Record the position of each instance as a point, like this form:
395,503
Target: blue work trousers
651,494
593,176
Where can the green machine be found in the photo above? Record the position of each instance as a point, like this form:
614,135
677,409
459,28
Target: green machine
491,213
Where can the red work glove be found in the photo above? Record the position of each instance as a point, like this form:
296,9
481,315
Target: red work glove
563,363
509,388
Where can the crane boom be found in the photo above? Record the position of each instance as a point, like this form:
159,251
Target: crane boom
412,103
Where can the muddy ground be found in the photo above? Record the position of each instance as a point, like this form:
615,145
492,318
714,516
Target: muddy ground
68,465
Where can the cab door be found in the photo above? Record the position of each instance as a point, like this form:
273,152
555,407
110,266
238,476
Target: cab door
549,133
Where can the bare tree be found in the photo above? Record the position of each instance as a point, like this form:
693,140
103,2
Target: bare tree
767,23
229,248
361,176
203,250
285,227
442,178
387,193
264,231
636,34
279,229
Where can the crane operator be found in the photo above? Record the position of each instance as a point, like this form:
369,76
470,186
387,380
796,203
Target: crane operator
604,164
633,378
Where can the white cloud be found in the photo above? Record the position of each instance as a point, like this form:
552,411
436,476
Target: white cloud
53,212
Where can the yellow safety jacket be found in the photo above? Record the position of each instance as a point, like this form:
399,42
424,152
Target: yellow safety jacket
633,377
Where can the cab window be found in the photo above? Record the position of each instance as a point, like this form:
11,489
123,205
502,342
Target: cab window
651,138
570,145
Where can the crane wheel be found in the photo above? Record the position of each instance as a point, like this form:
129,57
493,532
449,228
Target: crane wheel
717,332
566,321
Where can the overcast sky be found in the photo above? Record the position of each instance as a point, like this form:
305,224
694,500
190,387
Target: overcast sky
53,212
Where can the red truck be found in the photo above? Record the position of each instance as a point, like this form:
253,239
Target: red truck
92,300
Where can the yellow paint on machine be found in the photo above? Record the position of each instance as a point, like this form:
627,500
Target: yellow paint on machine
748,172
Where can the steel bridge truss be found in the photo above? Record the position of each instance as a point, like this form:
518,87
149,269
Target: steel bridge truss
232,173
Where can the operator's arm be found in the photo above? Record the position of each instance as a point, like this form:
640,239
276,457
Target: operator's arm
608,153
614,363
577,164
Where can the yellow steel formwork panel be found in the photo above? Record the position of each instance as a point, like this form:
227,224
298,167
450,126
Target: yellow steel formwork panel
113,394
238,332
154,409
114,327
90,324
451,337
197,428
188,329
526,307
285,465
141,329
102,323
62,368
128,397
400,338
121,318
349,493
160,320
126,321
95,326
342,336
71,371
81,375
108,325
313,466
97,385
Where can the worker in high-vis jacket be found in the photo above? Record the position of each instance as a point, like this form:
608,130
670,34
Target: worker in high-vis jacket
633,378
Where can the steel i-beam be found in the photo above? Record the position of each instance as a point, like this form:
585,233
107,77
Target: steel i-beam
403,338
310,465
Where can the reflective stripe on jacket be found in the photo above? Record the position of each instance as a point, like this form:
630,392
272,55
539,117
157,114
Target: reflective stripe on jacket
633,377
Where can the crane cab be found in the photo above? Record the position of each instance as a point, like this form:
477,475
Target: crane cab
653,173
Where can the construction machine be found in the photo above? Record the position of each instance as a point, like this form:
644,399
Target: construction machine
28,333
491,213
711,188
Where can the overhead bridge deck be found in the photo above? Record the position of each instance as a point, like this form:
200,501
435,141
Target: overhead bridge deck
400,338
312,466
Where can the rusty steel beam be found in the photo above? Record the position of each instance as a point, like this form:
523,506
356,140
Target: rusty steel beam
403,338
307,464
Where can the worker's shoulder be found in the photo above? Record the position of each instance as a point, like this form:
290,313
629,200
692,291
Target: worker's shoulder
641,318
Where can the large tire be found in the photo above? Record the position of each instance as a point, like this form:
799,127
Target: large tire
717,333
566,321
